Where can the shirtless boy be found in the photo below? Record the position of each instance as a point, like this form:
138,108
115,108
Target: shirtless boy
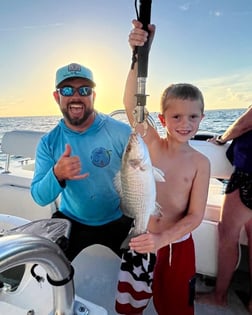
182,196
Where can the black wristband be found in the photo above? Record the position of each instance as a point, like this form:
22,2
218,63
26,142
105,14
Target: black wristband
219,140
61,182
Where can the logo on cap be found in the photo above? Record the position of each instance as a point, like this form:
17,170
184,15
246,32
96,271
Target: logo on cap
74,67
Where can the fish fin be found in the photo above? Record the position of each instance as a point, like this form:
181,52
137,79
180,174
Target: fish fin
158,210
158,174
125,243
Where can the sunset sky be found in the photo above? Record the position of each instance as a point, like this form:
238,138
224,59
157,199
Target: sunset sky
204,42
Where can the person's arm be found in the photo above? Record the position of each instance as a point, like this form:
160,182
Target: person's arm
49,177
45,188
239,127
130,91
137,37
150,242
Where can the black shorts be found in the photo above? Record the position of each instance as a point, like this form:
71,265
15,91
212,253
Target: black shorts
111,235
242,181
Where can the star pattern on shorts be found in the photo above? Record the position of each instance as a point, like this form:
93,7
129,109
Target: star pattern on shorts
140,266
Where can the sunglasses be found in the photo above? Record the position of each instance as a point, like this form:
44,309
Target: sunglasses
69,90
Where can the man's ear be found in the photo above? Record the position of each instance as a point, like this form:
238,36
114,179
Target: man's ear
94,95
162,120
56,96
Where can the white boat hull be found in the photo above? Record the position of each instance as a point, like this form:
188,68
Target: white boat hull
96,268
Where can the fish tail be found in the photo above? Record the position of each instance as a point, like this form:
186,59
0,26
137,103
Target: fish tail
125,243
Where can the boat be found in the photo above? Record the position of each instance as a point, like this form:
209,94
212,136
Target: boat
35,276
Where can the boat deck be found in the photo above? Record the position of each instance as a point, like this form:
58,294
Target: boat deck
237,298
101,279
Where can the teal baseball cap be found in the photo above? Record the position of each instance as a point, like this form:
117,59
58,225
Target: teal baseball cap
73,70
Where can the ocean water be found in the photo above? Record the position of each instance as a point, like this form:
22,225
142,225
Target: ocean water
215,121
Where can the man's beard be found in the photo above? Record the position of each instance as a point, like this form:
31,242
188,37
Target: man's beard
77,121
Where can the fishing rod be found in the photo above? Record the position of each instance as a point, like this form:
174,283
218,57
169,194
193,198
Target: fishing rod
142,57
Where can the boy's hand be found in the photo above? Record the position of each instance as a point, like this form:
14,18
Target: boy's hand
145,243
138,36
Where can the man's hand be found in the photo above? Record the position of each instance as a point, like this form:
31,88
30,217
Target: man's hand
68,167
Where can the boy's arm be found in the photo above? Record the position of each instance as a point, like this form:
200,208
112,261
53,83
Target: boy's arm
130,91
151,242
137,37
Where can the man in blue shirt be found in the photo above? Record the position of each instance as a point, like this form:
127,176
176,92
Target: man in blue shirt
78,160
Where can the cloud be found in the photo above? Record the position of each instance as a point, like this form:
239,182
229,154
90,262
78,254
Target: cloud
231,91
216,13
30,27
11,101
185,7
43,26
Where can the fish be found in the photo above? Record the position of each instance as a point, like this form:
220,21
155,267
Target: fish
136,185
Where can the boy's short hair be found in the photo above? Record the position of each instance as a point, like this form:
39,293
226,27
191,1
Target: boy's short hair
181,91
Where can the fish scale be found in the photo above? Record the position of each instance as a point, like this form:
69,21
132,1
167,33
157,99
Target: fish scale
136,184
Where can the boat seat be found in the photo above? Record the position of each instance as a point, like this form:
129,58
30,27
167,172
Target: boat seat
17,201
15,193
21,143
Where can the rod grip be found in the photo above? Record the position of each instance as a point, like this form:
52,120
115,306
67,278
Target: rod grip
143,51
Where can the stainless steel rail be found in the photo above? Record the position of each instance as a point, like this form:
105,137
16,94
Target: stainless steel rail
23,248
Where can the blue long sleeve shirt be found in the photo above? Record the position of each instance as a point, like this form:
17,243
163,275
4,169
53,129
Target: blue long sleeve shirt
92,200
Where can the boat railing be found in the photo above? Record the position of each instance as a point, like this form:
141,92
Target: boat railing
120,114
19,249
